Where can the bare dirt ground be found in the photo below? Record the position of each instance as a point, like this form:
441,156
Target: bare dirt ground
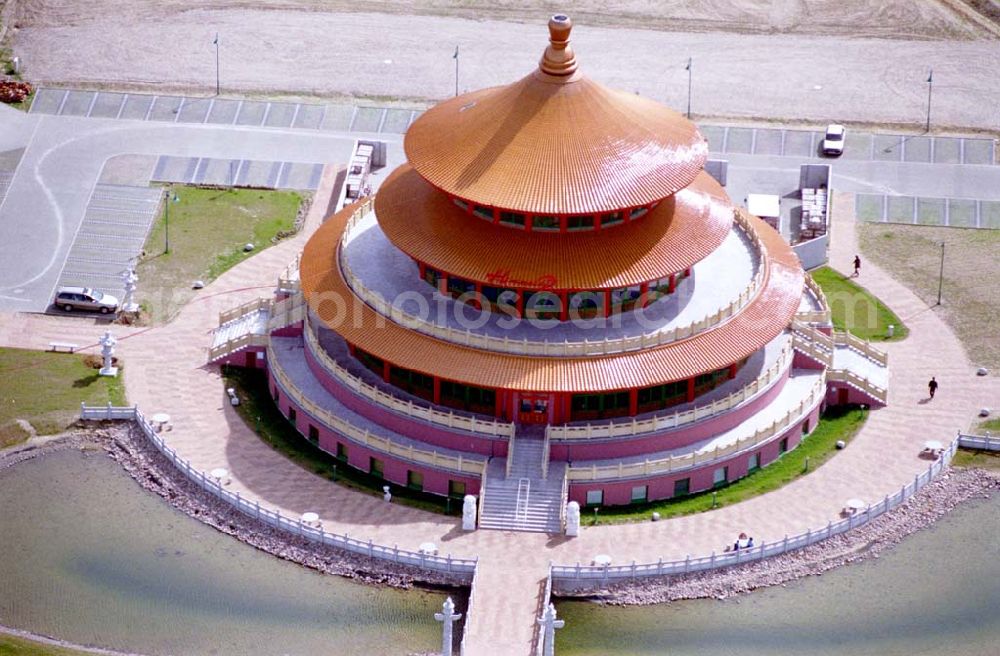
860,61
970,296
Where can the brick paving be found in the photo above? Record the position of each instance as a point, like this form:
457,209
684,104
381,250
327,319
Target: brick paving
166,372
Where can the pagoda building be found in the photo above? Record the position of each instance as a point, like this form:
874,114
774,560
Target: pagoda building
552,295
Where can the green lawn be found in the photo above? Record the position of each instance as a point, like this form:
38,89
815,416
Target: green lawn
837,423
259,411
46,389
855,310
208,229
982,459
991,425
14,646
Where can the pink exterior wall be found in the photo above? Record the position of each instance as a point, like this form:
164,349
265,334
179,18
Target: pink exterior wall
394,469
802,361
835,395
662,487
616,447
291,330
240,359
398,423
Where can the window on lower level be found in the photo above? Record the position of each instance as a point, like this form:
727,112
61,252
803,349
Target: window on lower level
341,451
376,467
291,415
637,212
614,218
414,480
580,222
515,219
483,212
545,222
456,489
313,434
639,493
720,477
753,463
682,486
595,497
783,445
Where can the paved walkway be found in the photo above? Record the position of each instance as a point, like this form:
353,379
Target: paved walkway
166,372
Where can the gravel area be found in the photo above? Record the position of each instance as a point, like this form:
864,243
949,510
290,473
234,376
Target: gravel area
869,541
861,61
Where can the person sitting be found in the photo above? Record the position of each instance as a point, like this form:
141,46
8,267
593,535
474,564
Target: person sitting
743,542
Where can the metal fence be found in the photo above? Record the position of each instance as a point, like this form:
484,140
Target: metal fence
579,575
462,567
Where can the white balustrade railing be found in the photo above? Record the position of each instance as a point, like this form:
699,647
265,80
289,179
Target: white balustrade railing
689,460
979,442
459,566
579,575
861,346
287,311
246,308
408,408
233,345
565,348
669,421
868,387
410,453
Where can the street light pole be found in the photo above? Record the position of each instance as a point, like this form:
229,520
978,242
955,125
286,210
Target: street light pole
930,89
216,42
941,274
455,57
689,67
166,220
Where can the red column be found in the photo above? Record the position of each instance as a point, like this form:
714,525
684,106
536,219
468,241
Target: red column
633,402
478,303
498,397
529,222
443,284
563,305
607,302
732,371
690,394
520,302
437,391
386,370
563,223
644,294
352,350
597,222
423,269
673,284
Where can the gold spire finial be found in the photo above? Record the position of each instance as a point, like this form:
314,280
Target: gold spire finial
558,58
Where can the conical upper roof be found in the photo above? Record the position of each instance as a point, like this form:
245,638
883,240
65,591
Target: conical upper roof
556,142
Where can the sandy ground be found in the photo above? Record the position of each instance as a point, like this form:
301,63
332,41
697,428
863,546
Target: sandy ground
970,298
784,60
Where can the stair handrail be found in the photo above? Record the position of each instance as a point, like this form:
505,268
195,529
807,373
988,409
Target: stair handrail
546,445
244,309
564,499
235,344
844,338
510,451
860,382
521,507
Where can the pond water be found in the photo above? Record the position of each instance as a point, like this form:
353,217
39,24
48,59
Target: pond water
938,592
86,556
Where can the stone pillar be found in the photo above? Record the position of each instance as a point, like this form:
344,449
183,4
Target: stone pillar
108,343
572,519
447,616
549,625
469,513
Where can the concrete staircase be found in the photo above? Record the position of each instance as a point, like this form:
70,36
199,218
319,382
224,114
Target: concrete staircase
245,330
524,500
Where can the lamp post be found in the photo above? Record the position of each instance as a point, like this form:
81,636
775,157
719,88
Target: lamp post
930,89
688,68
171,198
455,57
941,274
216,42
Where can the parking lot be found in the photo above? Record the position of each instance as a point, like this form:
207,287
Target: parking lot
915,210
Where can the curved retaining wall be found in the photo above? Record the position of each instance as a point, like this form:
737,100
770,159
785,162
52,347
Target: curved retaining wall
395,470
701,478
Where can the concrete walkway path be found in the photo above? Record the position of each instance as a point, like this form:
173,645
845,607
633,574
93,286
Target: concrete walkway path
166,372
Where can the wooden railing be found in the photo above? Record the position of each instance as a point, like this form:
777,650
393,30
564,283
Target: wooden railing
689,460
464,567
565,348
364,437
664,422
407,408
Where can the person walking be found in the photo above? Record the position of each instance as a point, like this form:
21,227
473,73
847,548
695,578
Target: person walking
857,266
932,386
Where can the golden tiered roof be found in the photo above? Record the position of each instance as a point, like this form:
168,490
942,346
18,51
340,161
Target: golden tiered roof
676,234
556,142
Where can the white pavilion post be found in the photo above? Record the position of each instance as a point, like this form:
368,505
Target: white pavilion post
447,617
